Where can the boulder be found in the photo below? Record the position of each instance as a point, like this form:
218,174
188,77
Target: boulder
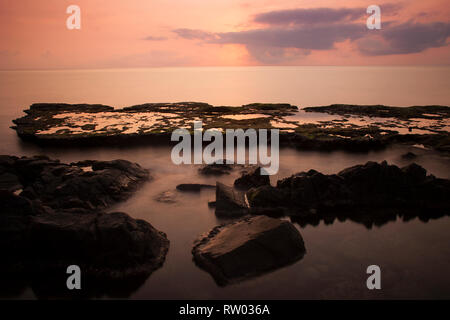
105,245
248,247
57,220
86,184
230,202
252,178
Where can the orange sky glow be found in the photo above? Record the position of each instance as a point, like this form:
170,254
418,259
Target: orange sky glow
161,33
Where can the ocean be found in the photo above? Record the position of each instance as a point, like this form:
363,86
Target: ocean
414,256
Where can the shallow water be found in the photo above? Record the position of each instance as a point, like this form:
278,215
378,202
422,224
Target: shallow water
414,256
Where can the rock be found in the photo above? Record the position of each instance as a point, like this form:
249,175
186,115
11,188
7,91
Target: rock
166,197
230,202
368,190
252,178
194,187
265,196
409,156
86,184
105,245
10,182
248,247
215,169
58,220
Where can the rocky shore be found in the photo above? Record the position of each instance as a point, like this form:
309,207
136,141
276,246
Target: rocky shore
52,217
355,128
373,193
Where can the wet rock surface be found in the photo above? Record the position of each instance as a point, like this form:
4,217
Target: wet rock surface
426,112
215,169
85,184
229,201
194,187
88,125
57,219
251,178
371,190
248,247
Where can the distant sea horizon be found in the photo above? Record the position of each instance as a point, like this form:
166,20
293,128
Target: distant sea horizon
303,86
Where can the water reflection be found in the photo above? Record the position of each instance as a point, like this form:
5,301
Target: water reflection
369,218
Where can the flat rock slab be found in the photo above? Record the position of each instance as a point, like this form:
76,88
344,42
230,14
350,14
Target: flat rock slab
248,247
369,127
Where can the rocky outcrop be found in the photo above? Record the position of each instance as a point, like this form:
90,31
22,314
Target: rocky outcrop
426,112
85,184
373,187
84,125
230,202
57,219
252,178
248,248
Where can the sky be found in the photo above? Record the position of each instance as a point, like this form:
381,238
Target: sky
192,33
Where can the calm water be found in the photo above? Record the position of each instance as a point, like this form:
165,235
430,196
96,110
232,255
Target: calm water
414,256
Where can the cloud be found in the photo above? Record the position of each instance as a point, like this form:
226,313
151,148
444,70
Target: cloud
312,16
309,16
194,34
308,37
155,38
406,38
290,33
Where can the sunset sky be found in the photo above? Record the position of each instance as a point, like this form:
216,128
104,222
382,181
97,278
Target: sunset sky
173,33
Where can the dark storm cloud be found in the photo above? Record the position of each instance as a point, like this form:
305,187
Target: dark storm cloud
407,38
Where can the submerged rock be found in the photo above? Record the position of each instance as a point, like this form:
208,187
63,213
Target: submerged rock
409,156
247,248
215,169
230,202
194,187
252,178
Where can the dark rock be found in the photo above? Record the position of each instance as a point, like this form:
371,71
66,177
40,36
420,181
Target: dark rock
248,248
215,169
36,239
371,189
385,111
10,182
230,202
194,187
60,185
211,204
57,220
409,156
252,178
